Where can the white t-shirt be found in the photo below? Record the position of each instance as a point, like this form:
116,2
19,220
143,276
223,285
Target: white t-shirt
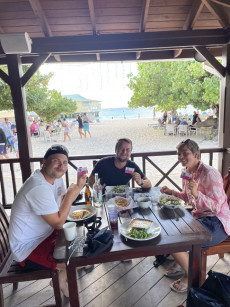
27,228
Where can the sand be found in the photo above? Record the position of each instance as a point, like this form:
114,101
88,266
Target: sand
105,134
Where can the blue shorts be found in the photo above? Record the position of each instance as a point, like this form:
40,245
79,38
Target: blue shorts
174,119
3,150
215,227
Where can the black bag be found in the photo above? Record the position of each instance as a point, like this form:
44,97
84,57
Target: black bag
215,291
97,240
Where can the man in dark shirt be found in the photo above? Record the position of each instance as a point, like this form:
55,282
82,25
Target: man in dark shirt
119,170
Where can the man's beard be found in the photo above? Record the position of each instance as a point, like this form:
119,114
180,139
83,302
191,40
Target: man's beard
122,160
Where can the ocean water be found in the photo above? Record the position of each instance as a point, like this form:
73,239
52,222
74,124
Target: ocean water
121,113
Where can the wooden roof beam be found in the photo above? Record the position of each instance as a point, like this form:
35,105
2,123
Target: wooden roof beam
225,3
192,16
38,11
146,41
4,77
221,70
34,67
143,20
217,12
93,22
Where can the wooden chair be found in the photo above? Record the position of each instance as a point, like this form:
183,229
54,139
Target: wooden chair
221,248
12,272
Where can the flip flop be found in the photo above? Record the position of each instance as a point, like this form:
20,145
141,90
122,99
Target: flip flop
182,284
175,271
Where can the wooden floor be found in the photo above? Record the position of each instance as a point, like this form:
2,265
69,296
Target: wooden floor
135,283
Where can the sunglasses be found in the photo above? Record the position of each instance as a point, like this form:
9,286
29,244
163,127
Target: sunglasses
185,142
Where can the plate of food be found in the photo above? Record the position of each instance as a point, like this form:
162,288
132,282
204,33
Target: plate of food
140,229
123,203
118,190
81,213
170,201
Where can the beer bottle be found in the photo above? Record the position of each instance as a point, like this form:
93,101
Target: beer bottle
87,194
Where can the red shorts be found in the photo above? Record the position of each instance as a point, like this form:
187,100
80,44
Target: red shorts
43,253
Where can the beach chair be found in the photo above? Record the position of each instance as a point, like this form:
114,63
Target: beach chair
170,129
182,129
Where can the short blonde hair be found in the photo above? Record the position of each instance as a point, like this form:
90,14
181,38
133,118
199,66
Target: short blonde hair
192,145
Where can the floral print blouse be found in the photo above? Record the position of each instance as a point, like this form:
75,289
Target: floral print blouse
211,200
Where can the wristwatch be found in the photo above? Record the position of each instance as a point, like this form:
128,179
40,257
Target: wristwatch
142,182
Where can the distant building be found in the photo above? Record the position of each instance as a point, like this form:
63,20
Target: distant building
7,114
84,105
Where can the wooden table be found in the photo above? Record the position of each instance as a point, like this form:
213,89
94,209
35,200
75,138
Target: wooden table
177,235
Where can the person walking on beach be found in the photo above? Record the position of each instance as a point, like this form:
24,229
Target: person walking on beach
164,118
40,209
86,125
80,126
119,170
3,145
66,129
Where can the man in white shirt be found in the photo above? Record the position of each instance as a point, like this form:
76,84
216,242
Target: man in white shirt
39,210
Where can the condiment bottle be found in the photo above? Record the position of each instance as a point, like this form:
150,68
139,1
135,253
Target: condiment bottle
87,194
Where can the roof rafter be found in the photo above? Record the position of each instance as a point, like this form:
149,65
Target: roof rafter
221,70
38,11
192,16
217,12
143,19
222,2
93,22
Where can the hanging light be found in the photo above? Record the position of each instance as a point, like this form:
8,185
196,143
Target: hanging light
199,57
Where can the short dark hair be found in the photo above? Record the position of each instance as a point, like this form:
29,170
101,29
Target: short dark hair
120,141
192,145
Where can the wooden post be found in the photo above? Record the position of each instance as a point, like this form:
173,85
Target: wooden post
224,135
19,101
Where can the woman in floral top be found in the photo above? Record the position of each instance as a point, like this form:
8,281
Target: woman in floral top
205,192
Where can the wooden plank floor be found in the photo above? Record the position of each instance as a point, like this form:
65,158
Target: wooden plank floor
135,283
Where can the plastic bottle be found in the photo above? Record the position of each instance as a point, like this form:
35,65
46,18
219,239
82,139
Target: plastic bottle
88,194
97,192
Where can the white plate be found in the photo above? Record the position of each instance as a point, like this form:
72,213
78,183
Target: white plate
155,230
170,206
92,210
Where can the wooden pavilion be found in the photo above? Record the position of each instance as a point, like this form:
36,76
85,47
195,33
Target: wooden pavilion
114,30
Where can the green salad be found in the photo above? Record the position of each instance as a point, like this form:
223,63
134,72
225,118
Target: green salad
170,201
119,189
138,233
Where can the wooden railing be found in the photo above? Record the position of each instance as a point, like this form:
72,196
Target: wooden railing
11,181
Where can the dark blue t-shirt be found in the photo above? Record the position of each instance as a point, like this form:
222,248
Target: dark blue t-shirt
110,175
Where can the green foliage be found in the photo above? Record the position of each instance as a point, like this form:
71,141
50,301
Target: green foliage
48,104
173,84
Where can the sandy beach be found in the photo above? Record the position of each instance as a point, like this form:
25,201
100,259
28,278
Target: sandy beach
105,134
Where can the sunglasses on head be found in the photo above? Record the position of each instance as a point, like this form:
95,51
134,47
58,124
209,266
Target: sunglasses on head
185,142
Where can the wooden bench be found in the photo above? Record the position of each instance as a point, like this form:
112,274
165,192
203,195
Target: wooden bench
221,248
12,272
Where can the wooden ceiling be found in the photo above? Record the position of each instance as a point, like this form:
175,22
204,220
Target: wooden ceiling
108,30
